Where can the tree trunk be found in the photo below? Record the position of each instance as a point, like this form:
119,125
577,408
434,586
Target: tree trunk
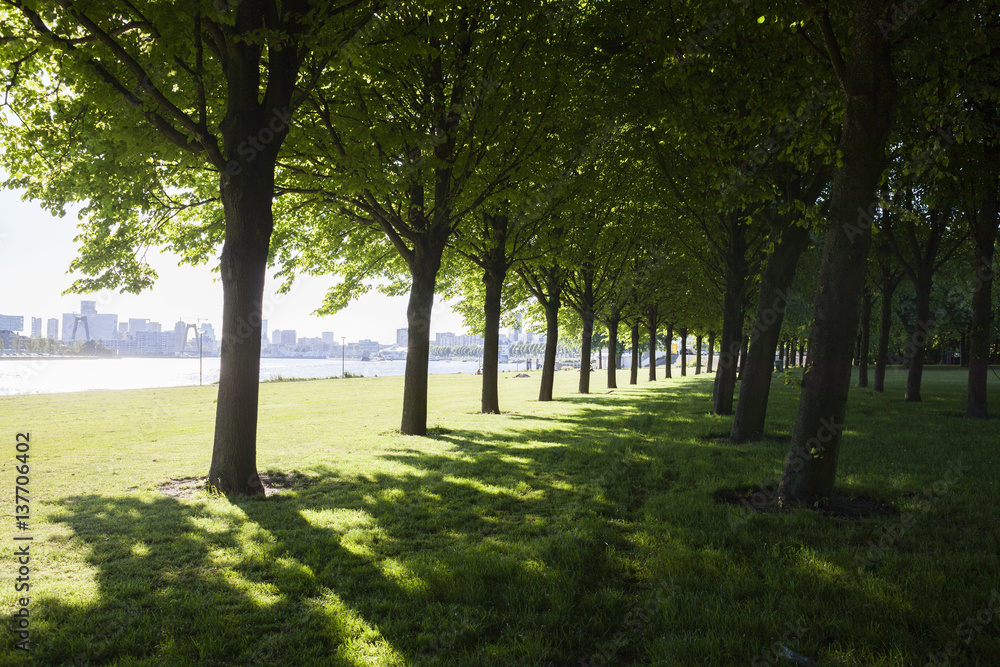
246,199
246,188
634,374
869,94
711,350
667,372
613,351
684,351
732,327
493,279
772,299
587,317
922,329
697,363
984,233
725,376
866,333
744,343
551,345
423,271
888,289
651,332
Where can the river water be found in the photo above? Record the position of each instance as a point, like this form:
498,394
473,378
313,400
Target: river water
41,375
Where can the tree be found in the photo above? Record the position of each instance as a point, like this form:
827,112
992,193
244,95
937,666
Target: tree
443,109
956,140
545,282
789,238
984,222
495,245
864,337
889,276
169,107
511,232
921,249
599,339
598,249
862,63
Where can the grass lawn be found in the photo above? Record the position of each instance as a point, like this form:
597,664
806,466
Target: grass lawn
582,531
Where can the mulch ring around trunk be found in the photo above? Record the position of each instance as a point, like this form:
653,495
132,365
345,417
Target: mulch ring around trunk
764,499
274,482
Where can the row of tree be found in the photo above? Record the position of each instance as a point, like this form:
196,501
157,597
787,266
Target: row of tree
649,164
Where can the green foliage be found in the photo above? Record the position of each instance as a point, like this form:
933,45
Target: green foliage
126,110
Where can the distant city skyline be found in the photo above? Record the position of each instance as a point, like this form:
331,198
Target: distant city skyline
37,249
119,326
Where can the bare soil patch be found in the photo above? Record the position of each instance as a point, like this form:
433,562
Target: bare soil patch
765,499
274,482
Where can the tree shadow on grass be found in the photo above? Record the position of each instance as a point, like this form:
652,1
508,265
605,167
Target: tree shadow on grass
180,583
498,567
625,488
427,567
537,549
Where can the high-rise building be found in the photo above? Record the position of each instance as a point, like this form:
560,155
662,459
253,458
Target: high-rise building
288,337
402,337
53,328
276,337
313,344
89,323
180,336
36,327
123,330
11,323
329,339
448,339
208,341
136,325
156,342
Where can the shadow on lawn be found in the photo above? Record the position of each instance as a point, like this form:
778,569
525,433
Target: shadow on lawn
437,574
583,543
179,584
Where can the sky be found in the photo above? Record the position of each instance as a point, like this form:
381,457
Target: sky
36,249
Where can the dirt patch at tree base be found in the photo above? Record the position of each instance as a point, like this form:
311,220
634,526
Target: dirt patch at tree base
182,487
765,500
273,481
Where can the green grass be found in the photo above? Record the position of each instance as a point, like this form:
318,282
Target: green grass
582,530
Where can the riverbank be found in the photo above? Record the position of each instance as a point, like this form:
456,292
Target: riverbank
42,375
